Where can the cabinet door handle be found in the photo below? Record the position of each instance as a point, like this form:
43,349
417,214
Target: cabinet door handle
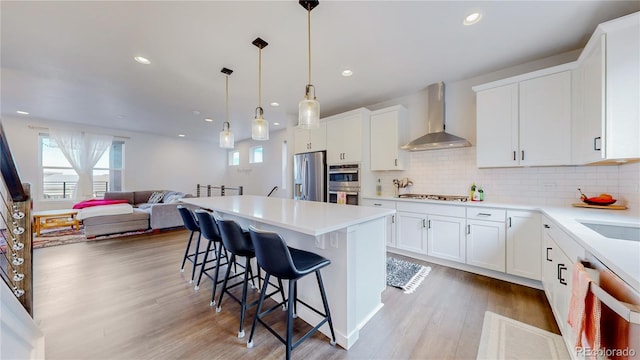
429,224
424,223
514,155
522,157
468,229
560,278
396,162
548,254
393,219
547,226
509,221
596,146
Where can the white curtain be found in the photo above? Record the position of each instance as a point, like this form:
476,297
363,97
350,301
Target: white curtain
82,150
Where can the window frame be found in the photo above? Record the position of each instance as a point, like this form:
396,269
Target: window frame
96,192
252,154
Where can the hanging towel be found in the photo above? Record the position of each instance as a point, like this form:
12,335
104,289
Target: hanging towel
584,311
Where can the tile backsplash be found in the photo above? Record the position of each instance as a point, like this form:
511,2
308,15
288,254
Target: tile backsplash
451,172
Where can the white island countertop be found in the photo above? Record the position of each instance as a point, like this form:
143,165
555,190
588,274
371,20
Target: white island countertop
308,217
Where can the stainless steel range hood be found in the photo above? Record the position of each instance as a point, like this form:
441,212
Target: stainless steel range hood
436,138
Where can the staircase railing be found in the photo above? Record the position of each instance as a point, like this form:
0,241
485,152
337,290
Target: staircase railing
16,266
223,189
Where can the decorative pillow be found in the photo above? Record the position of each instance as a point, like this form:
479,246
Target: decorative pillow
145,206
168,196
155,197
173,198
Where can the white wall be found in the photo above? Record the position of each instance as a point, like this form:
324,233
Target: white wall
260,178
151,162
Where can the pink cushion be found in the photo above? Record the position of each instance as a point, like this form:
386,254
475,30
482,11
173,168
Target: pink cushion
97,202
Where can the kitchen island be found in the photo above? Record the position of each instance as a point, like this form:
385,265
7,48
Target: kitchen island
352,237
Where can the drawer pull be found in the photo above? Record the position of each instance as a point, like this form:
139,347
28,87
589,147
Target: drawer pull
483,214
560,278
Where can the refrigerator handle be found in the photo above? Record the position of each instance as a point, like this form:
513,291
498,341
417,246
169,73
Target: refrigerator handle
305,179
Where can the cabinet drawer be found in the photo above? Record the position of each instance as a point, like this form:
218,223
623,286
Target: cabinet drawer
431,209
481,213
386,204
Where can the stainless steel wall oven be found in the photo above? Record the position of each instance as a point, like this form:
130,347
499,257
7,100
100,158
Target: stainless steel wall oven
344,180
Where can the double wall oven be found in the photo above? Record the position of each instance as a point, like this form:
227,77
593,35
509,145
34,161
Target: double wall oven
344,184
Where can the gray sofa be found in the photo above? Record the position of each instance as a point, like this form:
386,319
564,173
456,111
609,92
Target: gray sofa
156,216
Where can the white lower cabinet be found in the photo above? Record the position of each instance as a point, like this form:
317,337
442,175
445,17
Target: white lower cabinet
559,254
486,244
412,232
445,238
523,239
391,219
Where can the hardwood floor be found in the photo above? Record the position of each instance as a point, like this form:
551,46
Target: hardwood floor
126,299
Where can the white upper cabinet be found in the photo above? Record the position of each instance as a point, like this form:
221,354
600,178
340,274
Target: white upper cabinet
588,105
389,131
607,120
545,120
497,126
526,123
345,136
310,140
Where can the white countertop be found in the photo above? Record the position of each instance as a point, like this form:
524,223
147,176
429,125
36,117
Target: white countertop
308,217
621,256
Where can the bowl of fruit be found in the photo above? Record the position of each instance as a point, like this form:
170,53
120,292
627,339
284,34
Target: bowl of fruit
602,199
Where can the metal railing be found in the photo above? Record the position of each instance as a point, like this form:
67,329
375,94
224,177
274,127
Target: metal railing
16,267
64,189
223,189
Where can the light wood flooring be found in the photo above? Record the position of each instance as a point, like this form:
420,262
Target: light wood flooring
126,299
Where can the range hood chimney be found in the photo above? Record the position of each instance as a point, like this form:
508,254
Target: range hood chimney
436,138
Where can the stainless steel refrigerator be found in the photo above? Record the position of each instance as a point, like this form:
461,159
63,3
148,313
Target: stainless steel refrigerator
310,176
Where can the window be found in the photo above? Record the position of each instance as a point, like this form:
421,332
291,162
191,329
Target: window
255,155
234,158
59,179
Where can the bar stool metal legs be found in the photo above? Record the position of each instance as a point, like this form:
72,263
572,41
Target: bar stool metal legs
283,262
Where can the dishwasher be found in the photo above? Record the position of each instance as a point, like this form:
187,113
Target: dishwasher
620,312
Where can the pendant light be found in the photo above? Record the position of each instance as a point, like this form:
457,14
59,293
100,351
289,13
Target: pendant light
226,136
309,107
259,126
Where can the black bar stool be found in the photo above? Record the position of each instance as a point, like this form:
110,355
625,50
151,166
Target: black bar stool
191,224
238,243
209,230
283,262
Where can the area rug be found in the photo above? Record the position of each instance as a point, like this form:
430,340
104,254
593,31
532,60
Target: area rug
505,338
405,275
67,236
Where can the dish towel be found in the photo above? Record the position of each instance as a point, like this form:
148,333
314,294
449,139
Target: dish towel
584,311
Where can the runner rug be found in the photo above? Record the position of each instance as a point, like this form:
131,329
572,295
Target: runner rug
505,338
405,275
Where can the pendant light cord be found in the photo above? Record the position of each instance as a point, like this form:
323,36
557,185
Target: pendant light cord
227,109
309,38
260,78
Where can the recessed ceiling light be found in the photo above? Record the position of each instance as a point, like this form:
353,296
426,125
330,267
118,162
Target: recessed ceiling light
181,135
22,112
276,123
275,104
208,120
472,18
142,60
347,73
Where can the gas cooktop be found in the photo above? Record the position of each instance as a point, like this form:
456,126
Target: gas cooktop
435,197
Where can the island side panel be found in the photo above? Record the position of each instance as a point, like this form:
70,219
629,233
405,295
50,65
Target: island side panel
354,281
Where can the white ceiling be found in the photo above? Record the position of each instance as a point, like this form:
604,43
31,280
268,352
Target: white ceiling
73,61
